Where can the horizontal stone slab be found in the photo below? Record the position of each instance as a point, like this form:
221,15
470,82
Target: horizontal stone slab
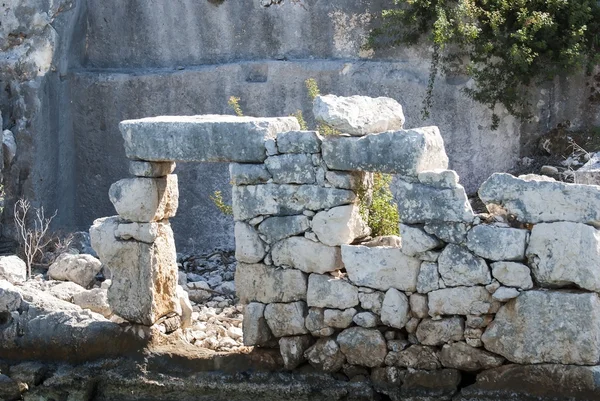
543,201
547,327
265,284
406,152
206,138
272,199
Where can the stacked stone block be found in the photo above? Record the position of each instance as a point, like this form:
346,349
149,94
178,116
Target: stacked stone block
457,291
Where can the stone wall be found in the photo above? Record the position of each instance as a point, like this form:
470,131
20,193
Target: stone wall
456,292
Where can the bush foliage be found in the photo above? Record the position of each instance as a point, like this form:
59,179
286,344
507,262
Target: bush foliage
504,45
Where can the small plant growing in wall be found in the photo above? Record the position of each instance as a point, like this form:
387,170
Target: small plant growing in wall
312,89
217,198
379,210
234,103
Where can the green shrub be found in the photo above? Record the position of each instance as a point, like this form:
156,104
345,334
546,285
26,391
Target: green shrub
507,45
234,103
217,198
378,208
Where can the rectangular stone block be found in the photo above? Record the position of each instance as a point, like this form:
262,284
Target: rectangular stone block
247,174
547,327
145,200
420,203
272,199
144,276
460,301
306,255
206,138
565,253
405,152
265,284
381,268
299,142
543,201
325,291
291,169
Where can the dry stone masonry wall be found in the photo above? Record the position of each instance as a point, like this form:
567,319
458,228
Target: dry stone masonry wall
457,291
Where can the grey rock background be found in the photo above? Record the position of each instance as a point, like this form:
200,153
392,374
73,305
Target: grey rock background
75,68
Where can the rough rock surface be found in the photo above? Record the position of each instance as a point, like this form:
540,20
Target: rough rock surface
339,319
324,291
138,295
13,269
428,279
395,308
497,243
278,228
504,294
455,233
286,319
547,327
408,152
144,232
255,328
439,332
364,347
459,267
418,357
464,357
145,199
267,284
10,297
207,138
291,169
273,199
419,203
512,274
306,255
292,350
415,240
460,301
95,300
380,267
543,201
248,174
249,248
325,355
565,253
359,115
299,142
80,269
149,169
339,225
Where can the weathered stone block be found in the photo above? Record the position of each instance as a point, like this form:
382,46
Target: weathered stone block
362,346
395,309
366,319
512,274
143,232
439,178
207,138
419,203
429,278
460,301
455,233
371,301
415,240
339,319
255,328
324,291
150,169
406,152
13,269
459,267
418,306
381,268
339,225
438,332
267,284
291,169
145,199
418,357
565,253
347,180
306,255
248,174
359,115
464,357
80,269
144,281
543,201
498,243
325,355
249,248
278,228
286,319
272,199
547,327
292,350
10,297
299,142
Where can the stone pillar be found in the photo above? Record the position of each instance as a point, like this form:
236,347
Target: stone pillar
138,245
